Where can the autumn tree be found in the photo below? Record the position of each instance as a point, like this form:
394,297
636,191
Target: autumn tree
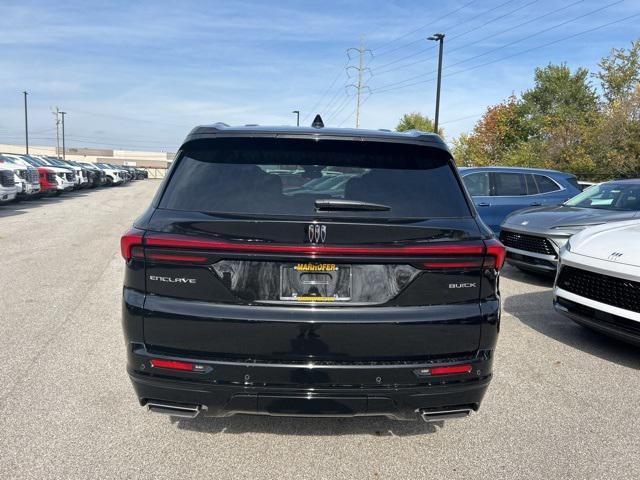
501,129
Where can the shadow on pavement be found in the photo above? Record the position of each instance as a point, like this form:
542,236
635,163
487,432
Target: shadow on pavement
22,206
375,426
538,279
535,309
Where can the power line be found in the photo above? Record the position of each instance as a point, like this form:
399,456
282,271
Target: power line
443,29
517,53
420,28
451,50
337,92
354,110
331,104
342,106
386,87
312,111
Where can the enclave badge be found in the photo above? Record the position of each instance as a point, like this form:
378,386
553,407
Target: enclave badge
316,233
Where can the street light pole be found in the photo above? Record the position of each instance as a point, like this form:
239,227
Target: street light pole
438,37
63,147
297,112
26,124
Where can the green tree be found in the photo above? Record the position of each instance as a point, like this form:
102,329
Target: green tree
619,73
561,109
616,142
416,121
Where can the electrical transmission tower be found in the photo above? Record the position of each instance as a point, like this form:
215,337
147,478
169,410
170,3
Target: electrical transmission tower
362,52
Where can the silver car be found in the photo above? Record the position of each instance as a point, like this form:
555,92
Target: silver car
534,236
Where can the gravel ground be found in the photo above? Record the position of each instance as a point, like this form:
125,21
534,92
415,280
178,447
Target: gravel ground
564,402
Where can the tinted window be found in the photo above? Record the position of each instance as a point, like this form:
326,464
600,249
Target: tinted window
532,188
609,196
477,184
573,181
285,177
545,184
510,184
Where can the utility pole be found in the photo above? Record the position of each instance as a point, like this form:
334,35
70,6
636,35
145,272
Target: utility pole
64,156
438,37
297,112
360,69
26,124
57,114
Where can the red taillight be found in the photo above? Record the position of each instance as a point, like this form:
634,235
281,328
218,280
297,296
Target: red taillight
131,239
176,241
169,257
495,255
172,364
435,264
451,369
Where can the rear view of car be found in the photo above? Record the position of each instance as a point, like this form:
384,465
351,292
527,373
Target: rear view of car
243,294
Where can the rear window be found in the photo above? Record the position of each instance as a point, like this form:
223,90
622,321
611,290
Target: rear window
274,177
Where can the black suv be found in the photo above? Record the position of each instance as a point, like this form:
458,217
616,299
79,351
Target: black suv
311,271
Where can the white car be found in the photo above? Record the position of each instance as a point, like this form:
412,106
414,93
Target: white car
8,189
598,280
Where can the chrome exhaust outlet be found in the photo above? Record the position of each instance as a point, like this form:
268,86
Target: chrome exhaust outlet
175,410
437,416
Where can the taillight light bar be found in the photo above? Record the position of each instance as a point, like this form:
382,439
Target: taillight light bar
493,251
171,257
449,263
177,241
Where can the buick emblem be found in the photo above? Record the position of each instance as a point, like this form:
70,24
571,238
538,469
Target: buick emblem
316,233
615,256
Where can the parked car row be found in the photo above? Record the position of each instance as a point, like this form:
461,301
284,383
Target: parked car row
590,242
28,176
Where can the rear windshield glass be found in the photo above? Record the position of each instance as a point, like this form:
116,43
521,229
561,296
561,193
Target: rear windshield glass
272,177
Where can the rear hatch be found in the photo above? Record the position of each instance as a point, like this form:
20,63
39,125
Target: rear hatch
297,249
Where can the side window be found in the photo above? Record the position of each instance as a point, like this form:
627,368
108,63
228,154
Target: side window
545,184
510,184
477,184
532,188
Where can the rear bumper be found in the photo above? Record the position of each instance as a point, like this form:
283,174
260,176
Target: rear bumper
256,389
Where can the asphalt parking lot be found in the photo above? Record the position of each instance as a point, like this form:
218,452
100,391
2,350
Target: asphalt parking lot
564,402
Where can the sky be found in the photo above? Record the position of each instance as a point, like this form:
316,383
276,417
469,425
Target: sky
139,75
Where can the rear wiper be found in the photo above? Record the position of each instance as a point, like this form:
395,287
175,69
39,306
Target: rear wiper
337,204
